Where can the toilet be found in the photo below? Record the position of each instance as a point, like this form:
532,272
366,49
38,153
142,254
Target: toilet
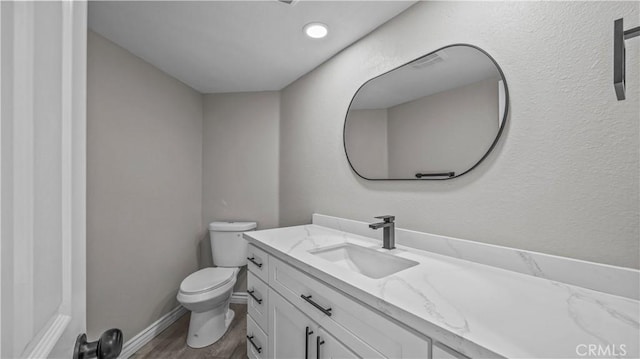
207,292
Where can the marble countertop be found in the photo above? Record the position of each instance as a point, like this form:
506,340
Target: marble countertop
477,309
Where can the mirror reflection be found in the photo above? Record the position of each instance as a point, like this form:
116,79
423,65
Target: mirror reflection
436,117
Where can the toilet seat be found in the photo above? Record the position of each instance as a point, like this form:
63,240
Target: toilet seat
207,279
220,286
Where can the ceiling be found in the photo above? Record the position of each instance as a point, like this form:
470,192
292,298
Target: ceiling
236,46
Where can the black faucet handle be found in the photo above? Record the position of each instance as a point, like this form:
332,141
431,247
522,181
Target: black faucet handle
387,218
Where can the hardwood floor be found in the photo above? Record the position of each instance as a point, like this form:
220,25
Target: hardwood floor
172,342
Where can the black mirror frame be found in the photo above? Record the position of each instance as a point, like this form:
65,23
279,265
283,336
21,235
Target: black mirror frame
493,145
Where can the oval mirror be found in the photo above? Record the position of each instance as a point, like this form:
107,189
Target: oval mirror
436,117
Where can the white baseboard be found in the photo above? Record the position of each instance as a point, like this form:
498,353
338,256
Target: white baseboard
134,344
239,298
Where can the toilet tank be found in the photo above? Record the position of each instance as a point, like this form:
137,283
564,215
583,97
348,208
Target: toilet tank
228,247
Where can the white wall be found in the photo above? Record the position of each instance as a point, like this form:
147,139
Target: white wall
144,188
366,142
448,131
563,178
240,162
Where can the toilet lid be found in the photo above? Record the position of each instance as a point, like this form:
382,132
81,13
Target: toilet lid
207,279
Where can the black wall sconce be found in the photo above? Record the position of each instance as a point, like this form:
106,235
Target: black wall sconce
619,36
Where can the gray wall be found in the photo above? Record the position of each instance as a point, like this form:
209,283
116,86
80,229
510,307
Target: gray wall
144,189
446,131
366,142
564,177
240,162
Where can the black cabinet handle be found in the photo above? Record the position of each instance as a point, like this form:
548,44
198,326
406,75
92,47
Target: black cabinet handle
319,342
254,297
253,260
259,349
306,342
326,311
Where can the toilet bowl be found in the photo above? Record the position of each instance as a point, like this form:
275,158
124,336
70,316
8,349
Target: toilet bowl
207,292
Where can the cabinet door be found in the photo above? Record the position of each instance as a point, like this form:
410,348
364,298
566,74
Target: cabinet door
258,301
441,351
257,342
290,331
258,262
328,347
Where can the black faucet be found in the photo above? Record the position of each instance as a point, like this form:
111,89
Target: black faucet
389,237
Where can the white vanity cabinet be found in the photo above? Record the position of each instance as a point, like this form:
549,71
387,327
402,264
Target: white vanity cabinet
308,317
258,263
257,341
441,351
289,330
292,334
258,301
329,347
257,304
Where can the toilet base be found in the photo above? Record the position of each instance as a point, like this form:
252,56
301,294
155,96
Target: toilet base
206,328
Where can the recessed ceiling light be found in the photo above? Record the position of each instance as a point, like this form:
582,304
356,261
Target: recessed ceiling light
316,30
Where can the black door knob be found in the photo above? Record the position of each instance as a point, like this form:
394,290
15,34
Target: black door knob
108,346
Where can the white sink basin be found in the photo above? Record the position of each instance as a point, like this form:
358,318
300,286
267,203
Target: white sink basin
366,261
